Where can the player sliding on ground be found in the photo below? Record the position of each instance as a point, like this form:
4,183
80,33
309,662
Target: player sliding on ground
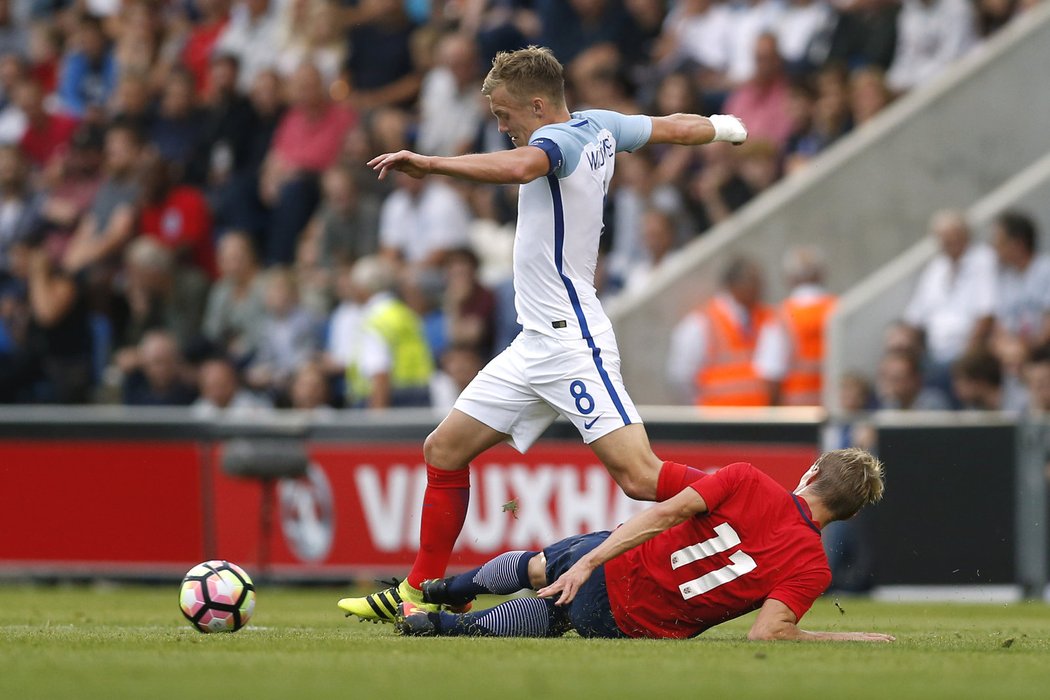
565,362
725,545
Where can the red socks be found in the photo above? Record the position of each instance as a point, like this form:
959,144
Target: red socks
444,510
673,478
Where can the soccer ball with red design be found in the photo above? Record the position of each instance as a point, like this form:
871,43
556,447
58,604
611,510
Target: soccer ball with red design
217,596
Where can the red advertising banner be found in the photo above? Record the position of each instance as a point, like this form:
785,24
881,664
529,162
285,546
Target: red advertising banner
161,507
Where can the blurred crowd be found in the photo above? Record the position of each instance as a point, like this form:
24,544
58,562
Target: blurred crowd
186,217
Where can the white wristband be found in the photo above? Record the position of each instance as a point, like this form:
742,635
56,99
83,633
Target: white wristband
728,128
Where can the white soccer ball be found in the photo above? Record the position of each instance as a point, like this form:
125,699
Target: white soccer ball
217,596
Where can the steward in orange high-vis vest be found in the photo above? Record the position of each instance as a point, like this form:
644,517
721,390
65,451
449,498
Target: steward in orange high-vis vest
728,376
803,319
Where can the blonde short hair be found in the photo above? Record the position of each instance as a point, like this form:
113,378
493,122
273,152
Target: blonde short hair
527,73
847,481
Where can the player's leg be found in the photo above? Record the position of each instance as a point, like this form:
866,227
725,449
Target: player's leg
448,452
521,617
505,574
497,405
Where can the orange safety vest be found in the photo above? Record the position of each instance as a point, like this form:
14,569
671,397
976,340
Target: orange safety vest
728,377
804,323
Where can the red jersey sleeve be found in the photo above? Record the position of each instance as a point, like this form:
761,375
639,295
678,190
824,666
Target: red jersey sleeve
802,590
716,488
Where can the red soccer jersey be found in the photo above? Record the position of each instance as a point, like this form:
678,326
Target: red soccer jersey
183,220
756,541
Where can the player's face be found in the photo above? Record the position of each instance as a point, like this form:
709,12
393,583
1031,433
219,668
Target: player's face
514,117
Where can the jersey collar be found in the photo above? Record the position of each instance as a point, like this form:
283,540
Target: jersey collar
807,515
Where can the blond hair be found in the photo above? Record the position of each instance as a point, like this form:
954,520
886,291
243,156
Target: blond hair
527,73
847,480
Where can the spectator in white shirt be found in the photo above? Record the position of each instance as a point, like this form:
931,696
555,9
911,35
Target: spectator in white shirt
422,220
450,103
931,34
954,301
1023,290
221,391
252,36
802,23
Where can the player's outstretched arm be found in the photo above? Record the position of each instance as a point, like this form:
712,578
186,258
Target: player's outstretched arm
776,622
642,527
511,167
695,130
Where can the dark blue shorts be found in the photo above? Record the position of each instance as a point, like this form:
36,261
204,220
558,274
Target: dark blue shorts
589,612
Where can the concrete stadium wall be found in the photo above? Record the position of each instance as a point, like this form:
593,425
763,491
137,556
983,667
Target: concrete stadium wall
868,198
855,330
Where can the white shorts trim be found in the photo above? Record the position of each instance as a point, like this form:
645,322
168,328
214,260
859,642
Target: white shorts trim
523,389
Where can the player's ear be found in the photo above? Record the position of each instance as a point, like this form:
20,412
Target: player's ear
537,106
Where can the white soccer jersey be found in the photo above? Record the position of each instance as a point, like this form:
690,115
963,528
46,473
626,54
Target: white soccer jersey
560,222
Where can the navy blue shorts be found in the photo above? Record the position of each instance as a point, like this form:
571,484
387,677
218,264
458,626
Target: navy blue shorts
589,612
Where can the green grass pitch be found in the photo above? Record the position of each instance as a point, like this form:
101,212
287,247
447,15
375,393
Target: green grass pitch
131,642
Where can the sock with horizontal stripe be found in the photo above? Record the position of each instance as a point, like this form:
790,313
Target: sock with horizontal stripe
521,617
508,573
673,478
444,510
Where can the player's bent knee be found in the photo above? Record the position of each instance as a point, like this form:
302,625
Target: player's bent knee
438,452
538,571
640,488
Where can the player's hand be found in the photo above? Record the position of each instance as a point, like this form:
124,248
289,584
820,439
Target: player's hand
410,163
728,128
567,585
876,637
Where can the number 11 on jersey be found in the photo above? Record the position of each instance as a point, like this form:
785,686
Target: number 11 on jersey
725,538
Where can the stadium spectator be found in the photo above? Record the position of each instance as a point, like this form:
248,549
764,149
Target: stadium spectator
712,354
159,381
220,391
88,72
157,295
70,186
458,366
865,33
469,306
422,220
12,118
570,28
306,143
343,333
251,37
131,102
1022,308
791,355
225,124
453,87
344,227
1037,381
199,41
931,34
954,299
977,381
234,312
696,33
310,391
44,54
618,585
45,135
392,364
176,216
318,40
868,94
718,189
900,384
288,334
19,204
423,290
658,248
801,31
176,129
762,102
110,224
53,354
380,65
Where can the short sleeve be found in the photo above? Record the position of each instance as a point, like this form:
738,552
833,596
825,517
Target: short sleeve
562,146
631,131
715,489
800,591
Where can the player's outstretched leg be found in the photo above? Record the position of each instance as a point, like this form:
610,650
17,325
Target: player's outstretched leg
522,617
508,573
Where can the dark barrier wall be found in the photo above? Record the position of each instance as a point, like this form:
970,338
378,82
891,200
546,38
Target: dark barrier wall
948,514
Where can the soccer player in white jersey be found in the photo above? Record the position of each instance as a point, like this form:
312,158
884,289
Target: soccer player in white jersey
565,361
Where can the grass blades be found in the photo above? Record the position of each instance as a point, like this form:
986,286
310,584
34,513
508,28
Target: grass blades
131,642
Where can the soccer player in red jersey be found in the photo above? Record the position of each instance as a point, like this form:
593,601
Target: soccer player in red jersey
720,547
